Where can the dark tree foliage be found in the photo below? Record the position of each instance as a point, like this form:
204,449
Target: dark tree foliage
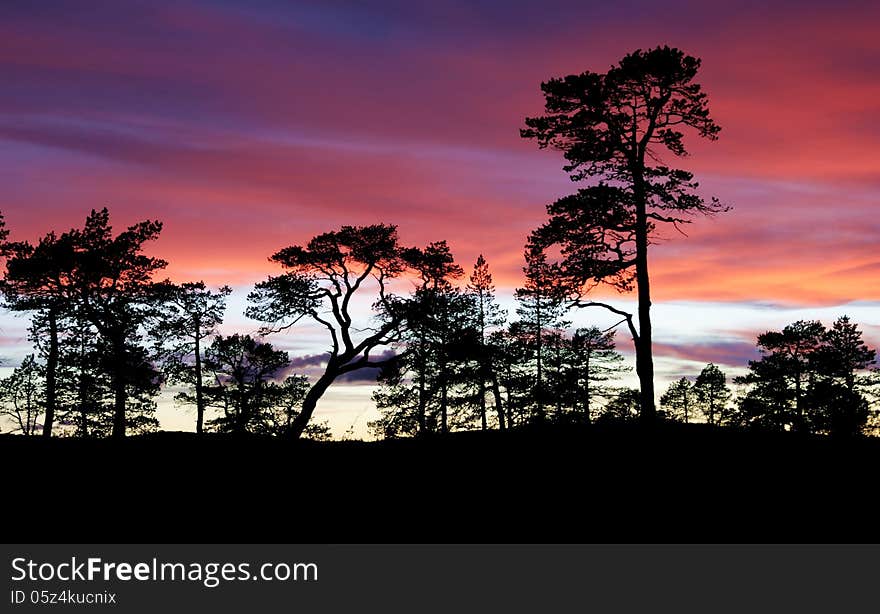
594,363
453,346
38,279
84,393
541,307
793,350
437,317
578,370
834,408
712,394
808,380
191,314
84,378
92,276
21,396
113,282
488,317
679,401
624,406
281,404
513,365
613,128
321,280
4,236
242,369
844,354
419,390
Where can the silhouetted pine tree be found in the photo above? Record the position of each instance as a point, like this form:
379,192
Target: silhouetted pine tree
679,401
540,310
421,391
713,395
488,317
21,396
83,387
190,315
614,128
808,379
38,280
844,353
322,279
513,363
113,282
241,369
623,406
594,363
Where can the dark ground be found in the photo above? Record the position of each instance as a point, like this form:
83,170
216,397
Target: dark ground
609,484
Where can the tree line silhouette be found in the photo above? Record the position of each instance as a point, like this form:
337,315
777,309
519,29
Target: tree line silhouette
108,334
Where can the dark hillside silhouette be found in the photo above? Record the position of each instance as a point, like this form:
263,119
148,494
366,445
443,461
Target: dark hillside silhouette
699,484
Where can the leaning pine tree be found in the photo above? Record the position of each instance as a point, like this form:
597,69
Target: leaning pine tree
319,283
613,128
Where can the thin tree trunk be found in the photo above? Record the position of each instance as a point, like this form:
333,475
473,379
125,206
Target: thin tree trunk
482,362
587,390
51,368
83,406
82,387
499,408
82,383
444,399
558,391
509,398
243,416
200,401
483,423
644,354
423,401
119,396
539,342
797,398
686,409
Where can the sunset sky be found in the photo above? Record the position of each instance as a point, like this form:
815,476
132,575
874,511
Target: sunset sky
249,126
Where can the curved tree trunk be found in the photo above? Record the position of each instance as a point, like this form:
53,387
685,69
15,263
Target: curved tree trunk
310,401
